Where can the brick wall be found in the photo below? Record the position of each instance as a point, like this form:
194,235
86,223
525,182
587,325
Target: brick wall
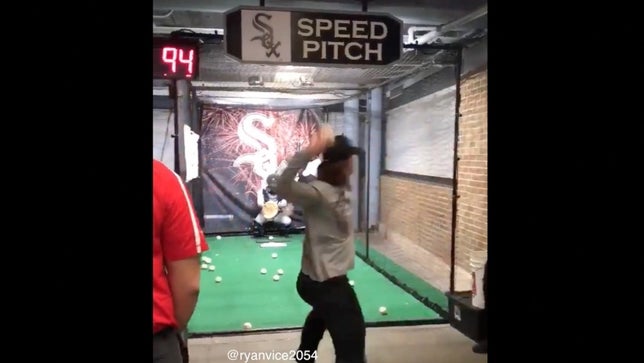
419,212
416,212
471,220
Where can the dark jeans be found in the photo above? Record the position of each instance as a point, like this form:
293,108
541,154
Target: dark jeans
336,308
485,310
167,348
485,286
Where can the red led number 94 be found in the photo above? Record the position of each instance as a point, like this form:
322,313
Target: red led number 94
176,57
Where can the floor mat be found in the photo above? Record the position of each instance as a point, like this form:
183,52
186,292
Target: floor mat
245,295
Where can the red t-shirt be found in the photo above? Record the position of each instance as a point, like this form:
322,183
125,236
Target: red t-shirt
177,235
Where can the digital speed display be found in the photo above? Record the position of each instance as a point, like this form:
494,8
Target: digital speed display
175,59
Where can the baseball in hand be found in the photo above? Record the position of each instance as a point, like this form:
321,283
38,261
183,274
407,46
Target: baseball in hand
326,134
321,140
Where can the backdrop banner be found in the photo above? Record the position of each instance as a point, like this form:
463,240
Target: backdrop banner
239,149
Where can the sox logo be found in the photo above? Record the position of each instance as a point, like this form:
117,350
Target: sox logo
264,159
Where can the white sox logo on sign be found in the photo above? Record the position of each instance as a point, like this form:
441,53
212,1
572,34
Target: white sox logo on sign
266,37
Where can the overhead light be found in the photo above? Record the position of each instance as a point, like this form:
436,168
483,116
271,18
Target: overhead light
306,81
395,92
255,81
170,29
288,77
257,94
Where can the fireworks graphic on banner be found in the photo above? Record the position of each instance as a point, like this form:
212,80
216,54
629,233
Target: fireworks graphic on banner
253,143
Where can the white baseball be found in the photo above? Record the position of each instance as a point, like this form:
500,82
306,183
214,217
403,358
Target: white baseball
326,133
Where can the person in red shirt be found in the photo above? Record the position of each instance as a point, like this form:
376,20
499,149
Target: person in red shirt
178,242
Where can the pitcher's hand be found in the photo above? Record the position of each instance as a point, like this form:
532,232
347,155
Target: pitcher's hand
321,140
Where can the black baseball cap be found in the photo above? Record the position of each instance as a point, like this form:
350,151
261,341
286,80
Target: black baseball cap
342,149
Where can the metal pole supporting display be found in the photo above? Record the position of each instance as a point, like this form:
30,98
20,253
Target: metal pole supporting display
182,117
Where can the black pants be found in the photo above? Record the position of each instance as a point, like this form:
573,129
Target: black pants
336,308
167,347
485,284
485,310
